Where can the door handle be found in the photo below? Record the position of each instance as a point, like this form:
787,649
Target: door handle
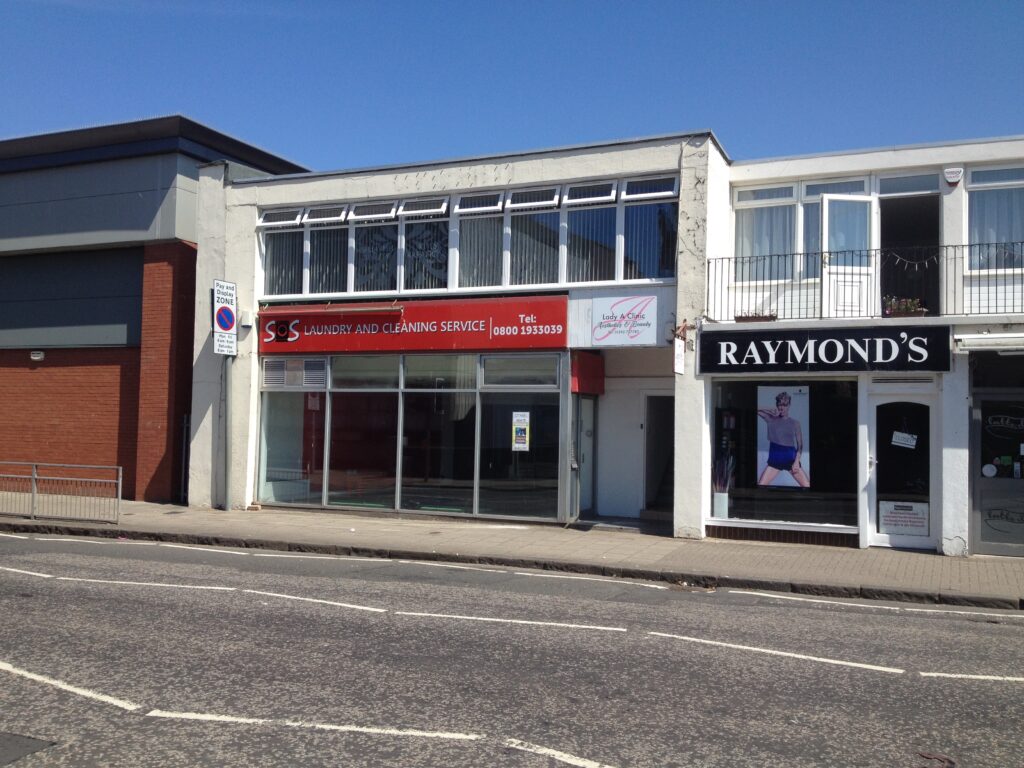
872,463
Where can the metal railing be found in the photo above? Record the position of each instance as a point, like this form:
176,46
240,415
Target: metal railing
81,492
986,278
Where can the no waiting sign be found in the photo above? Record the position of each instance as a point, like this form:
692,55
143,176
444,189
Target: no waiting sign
225,318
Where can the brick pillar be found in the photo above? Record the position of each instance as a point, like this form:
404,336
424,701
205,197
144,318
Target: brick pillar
165,367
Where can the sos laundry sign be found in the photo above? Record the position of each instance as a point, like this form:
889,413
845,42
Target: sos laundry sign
914,348
536,322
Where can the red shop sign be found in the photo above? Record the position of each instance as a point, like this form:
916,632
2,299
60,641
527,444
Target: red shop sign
530,322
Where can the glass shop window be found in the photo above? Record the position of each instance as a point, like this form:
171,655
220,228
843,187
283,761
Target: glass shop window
785,451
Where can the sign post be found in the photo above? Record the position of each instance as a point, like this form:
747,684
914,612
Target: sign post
225,342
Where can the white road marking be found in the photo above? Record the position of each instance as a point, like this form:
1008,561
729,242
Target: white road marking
126,705
204,549
146,584
554,754
342,558
812,600
27,573
12,536
315,600
204,716
74,541
590,578
510,621
385,731
451,565
973,677
873,667
964,613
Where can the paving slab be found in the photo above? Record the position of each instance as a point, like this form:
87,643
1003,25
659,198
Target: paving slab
887,574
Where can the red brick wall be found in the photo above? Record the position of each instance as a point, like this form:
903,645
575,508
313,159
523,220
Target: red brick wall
77,406
165,367
113,406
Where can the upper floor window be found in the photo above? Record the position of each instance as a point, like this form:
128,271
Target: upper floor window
770,245
586,232
995,218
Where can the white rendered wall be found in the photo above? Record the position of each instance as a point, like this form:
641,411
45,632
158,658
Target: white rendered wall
955,465
216,229
701,172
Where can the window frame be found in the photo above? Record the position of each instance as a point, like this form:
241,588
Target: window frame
450,209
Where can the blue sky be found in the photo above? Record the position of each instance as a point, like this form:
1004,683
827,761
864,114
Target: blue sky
336,85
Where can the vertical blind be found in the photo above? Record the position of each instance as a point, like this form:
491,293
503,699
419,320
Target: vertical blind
534,248
328,260
282,262
376,258
650,240
426,254
480,251
591,244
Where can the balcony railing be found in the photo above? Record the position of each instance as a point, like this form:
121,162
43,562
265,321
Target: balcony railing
980,279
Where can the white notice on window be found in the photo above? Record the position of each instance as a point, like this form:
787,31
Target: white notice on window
520,430
904,439
903,518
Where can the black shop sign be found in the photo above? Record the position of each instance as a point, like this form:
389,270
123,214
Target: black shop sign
915,348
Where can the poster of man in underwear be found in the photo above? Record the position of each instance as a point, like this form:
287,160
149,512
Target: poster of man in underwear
782,456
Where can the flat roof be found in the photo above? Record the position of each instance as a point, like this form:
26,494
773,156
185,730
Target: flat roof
872,150
158,135
489,158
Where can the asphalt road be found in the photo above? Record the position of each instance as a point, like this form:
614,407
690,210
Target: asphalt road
135,654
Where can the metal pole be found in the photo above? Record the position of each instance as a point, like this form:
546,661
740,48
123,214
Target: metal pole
34,477
227,431
117,505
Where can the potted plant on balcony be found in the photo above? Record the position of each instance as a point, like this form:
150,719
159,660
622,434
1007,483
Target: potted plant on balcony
721,480
754,317
900,306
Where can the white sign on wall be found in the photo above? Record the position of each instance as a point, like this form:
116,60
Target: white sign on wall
624,321
903,518
225,318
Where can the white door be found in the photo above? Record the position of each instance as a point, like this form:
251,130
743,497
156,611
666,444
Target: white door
903,475
848,273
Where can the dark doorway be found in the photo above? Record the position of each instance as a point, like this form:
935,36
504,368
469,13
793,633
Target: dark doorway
911,260
659,456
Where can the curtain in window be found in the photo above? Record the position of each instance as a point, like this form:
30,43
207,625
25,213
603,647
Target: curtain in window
282,263
591,244
849,225
996,228
812,240
764,242
535,248
650,240
377,258
328,260
480,251
426,254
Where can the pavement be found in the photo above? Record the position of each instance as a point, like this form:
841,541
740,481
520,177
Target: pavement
873,573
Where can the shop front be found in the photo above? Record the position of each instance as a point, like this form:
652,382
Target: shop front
997,450
440,407
832,431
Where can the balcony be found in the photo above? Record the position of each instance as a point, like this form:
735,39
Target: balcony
981,279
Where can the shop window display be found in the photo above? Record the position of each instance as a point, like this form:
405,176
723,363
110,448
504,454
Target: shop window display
767,436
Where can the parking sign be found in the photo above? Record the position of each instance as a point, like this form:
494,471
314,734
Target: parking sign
225,318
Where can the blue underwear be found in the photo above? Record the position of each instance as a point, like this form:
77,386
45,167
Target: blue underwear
781,456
